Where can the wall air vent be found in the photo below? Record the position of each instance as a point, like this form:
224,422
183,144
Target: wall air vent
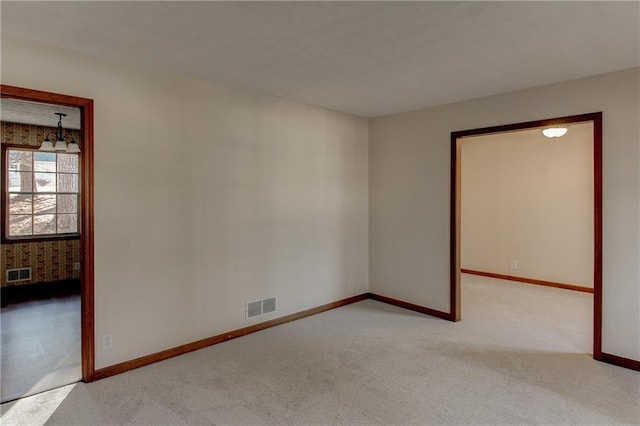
269,305
18,274
254,309
261,307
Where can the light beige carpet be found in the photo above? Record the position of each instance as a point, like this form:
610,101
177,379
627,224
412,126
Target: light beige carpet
520,356
40,346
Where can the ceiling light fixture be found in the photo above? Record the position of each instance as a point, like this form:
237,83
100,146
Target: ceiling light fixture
61,143
554,132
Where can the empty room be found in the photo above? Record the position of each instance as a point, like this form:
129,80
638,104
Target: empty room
527,217
260,213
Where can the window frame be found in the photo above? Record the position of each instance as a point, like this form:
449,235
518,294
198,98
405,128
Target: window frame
5,203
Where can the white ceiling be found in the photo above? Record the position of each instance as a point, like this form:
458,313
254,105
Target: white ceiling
24,112
364,58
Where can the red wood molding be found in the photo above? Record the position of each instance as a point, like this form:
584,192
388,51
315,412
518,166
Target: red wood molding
200,344
528,280
455,202
87,209
411,306
631,364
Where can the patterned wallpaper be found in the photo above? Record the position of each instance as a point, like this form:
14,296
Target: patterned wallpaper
28,134
49,260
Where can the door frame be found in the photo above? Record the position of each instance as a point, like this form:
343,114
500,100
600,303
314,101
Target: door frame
455,213
86,211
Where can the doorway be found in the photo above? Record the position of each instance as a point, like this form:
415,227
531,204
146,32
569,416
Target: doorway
85,262
455,230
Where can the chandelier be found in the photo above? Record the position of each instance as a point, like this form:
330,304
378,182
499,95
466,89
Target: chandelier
61,144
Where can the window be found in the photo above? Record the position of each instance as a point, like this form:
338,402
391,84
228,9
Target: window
41,194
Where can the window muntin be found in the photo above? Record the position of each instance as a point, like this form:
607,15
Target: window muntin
42,194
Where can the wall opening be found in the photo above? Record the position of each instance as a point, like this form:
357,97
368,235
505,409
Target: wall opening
572,275
85,263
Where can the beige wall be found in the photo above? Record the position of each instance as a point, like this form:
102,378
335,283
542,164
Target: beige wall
529,199
207,197
410,180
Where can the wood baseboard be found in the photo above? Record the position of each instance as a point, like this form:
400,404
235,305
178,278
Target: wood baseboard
528,280
193,346
200,344
631,364
411,306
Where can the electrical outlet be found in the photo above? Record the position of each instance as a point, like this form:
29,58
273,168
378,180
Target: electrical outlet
514,264
76,266
107,341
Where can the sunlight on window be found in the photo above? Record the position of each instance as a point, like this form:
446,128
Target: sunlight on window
42,194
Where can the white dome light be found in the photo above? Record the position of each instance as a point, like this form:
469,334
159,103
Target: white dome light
554,132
